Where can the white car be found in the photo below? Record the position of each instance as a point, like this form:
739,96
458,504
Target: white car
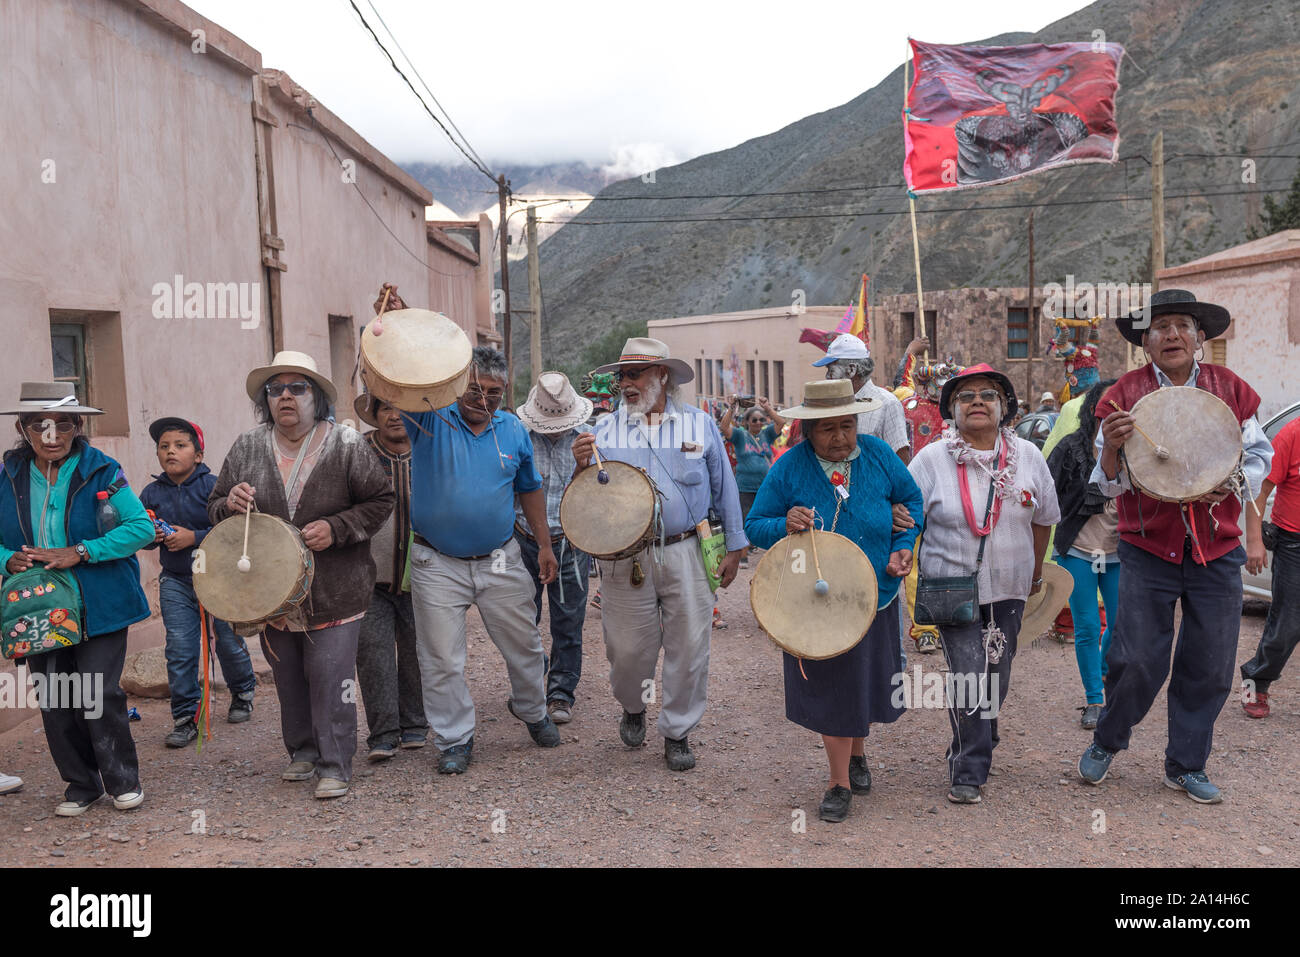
1261,585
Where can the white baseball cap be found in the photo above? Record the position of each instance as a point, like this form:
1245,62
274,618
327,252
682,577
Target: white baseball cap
845,346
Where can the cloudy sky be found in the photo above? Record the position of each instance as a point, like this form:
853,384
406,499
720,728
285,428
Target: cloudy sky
636,85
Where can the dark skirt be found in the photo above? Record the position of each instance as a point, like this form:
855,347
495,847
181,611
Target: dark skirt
842,696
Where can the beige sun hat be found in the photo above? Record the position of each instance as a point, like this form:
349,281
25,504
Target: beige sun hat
366,406
554,405
642,351
49,397
288,361
827,398
1041,609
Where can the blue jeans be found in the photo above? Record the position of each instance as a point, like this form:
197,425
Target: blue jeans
1088,650
564,664
180,612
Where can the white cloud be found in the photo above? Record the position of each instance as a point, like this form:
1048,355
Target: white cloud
636,159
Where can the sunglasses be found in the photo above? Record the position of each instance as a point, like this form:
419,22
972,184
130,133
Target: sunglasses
492,396
623,374
985,395
63,428
276,389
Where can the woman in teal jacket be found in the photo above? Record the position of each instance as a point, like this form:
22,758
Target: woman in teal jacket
47,517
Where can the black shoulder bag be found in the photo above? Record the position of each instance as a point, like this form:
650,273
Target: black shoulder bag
951,601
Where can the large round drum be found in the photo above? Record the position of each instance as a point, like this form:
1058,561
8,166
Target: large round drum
611,521
420,361
785,602
276,584
1201,435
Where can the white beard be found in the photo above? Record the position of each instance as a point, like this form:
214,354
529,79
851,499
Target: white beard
649,396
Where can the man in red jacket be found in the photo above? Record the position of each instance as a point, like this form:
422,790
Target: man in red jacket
1171,552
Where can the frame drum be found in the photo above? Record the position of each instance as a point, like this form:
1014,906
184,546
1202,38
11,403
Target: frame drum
1201,435
611,521
790,611
277,584
421,362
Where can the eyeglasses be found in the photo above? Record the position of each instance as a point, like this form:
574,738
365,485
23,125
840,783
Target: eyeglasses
39,426
985,395
1175,325
276,389
492,396
623,374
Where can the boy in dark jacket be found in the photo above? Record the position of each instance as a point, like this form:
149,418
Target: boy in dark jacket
179,497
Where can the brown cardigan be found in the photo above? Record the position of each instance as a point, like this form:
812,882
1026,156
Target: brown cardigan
347,488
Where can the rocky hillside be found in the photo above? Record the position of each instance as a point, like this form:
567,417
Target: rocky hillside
1218,76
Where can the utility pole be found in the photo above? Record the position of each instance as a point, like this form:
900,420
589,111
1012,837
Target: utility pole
534,299
1157,208
1031,320
503,191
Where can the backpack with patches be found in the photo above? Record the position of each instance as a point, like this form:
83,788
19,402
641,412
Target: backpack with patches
40,611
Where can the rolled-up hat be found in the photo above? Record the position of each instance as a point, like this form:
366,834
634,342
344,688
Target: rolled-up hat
827,398
288,361
49,397
1042,608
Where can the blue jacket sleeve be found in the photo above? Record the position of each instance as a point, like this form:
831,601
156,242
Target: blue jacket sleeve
765,523
904,491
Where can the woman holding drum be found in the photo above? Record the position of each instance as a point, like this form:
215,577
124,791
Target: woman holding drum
842,482
990,507
324,480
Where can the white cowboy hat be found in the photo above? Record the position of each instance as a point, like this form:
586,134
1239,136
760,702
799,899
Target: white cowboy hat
288,361
641,352
827,398
1042,608
49,397
553,405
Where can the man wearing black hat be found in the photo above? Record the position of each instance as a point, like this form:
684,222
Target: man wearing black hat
1174,551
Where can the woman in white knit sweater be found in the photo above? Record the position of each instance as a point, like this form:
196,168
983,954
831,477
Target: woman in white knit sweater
982,483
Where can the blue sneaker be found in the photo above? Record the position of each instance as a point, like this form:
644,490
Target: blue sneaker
455,760
1095,764
1197,786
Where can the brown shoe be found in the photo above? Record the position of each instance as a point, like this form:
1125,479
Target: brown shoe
561,711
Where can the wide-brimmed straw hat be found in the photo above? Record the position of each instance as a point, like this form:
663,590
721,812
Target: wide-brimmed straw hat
49,397
288,361
366,407
982,371
1213,320
828,398
553,405
1042,608
642,352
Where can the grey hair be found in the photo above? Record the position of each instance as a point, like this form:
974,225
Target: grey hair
489,361
852,368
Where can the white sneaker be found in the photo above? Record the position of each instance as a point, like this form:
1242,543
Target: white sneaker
124,802
9,783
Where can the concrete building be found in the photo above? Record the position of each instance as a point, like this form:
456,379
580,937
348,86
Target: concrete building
176,213
1259,284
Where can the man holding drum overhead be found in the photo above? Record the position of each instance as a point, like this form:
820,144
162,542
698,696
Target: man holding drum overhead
300,467
661,597
1172,551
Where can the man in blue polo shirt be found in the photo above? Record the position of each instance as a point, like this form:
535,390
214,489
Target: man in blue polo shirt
468,462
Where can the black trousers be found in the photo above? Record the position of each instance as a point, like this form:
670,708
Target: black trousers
1282,629
1138,662
93,754
974,685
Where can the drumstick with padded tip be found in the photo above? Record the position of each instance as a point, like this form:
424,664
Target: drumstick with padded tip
822,586
1161,451
244,564
378,329
601,475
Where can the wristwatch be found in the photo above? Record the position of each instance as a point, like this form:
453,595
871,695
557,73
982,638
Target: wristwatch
82,552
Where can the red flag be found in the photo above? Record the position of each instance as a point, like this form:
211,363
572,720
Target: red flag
982,115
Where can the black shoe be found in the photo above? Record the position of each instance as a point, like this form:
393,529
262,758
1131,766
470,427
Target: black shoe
456,758
544,732
181,735
859,775
1091,712
964,794
632,729
677,752
241,709
835,804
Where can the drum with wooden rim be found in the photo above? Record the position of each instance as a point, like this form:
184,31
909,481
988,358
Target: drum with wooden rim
1200,439
419,360
613,520
277,583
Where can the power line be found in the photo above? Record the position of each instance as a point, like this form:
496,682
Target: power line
473,162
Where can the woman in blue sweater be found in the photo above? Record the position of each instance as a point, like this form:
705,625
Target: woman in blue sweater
841,697
47,517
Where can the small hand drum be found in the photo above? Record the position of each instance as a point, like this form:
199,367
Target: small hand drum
1201,434
278,582
784,598
613,520
420,361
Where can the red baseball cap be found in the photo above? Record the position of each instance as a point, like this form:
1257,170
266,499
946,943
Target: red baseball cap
174,424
